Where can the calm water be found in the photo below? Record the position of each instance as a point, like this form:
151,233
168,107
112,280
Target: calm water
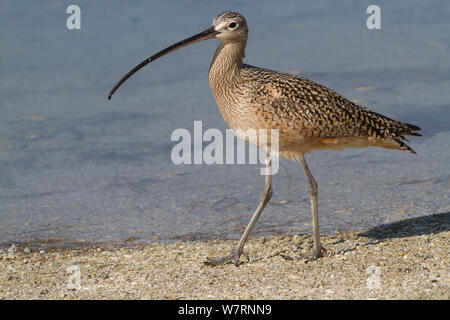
76,168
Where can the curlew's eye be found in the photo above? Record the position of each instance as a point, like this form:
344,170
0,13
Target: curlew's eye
232,25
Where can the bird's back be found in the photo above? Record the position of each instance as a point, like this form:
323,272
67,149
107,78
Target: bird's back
310,116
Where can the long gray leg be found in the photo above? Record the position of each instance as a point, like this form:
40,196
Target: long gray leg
312,189
236,253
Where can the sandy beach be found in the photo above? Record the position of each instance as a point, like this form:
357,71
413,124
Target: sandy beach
403,260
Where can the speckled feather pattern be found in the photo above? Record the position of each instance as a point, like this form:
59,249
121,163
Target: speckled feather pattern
315,110
308,115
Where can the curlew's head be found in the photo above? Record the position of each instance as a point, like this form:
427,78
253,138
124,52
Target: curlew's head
231,26
227,27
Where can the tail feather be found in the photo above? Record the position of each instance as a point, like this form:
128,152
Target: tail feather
404,146
406,129
397,130
413,128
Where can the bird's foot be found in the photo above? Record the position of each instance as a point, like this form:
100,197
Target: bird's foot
316,254
232,257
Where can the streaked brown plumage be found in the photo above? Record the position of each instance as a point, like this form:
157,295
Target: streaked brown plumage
307,115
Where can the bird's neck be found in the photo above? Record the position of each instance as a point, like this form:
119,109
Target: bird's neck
225,65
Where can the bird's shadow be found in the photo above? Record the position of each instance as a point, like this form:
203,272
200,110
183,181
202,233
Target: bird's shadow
432,224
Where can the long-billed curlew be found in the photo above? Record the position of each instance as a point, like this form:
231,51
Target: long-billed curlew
307,115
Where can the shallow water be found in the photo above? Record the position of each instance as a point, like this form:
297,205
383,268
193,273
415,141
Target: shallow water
76,168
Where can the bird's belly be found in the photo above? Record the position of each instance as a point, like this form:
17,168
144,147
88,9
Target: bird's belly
292,145
291,149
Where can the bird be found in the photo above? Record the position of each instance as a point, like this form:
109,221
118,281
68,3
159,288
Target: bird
307,115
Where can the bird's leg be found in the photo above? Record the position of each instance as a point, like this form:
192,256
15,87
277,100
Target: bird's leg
265,197
312,190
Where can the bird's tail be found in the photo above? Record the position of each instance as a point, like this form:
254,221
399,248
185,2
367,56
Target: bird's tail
402,129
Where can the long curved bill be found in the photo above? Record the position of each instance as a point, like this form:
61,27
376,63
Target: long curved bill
204,35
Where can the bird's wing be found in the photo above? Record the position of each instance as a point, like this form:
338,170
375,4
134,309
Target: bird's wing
319,111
